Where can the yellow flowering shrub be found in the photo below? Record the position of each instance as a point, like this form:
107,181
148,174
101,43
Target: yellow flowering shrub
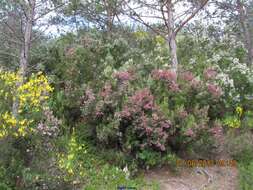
239,111
235,121
34,91
160,40
9,78
12,126
141,35
30,96
232,122
69,161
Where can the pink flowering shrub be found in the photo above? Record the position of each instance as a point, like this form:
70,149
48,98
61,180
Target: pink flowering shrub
87,100
166,75
142,99
123,76
106,91
187,76
170,113
214,90
190,103
127,120
145,122
210,73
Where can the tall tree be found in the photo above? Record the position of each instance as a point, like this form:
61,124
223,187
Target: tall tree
101,13
21,22
166,13
244,22
236,13
18,18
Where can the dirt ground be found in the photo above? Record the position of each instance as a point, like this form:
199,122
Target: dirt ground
210,177
198,178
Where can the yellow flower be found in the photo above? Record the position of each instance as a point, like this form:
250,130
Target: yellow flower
21,131
34,91
239,111
233,123
22,122
159,40
31,94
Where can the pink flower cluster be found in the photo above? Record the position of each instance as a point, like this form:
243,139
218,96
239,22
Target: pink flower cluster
88,97
195,83
189,133
210,73
215,90
155,131
123,76
143,99
106,91
217,131
174,87
187,76
160,146
152,129
99,113
167,75
126,114
49,127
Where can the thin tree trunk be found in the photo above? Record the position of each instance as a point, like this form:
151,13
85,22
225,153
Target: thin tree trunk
110,17
24,52
27,40
247,37
172,36
173,49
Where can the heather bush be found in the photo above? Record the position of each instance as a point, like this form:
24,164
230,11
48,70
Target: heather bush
169,113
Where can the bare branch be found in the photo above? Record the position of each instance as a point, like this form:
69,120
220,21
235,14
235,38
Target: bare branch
49,11
190,17
13,31
164,18
140,20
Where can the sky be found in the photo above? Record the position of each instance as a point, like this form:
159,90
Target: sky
55,30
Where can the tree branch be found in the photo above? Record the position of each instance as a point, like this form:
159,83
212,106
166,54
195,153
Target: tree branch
190,17
47,12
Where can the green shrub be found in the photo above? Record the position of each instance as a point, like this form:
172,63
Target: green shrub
240,146
246,176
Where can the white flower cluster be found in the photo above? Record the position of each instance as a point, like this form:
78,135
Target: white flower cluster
192,61
240,67
216,57
226,82
225,79
159,55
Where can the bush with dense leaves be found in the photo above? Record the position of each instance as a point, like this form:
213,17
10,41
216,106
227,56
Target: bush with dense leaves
164,113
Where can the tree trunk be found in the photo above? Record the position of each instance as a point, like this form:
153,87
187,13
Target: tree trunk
110,14
247,37
25,48
172,36
173,50
27,40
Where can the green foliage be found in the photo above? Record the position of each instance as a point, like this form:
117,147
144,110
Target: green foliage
120,108
246,174
112,177
240,146
247,121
